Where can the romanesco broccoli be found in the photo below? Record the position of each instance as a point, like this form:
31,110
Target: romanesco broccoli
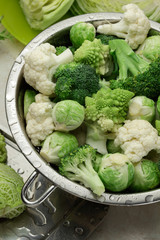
108,108
95,54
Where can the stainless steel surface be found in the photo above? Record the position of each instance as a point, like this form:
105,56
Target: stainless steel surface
42,198
16,122
61,216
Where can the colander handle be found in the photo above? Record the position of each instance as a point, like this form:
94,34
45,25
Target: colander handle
42,198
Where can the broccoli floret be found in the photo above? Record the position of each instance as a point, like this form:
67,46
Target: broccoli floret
108,108
60,49
105,38
135,73
75,81
78,166
95,54
3,150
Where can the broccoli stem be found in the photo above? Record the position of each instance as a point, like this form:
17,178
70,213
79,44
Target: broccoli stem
129,62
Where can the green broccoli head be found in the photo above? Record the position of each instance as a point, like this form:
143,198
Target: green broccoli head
95,54
135,74
11,185
75,81
105,38
108,108
78,166
3,150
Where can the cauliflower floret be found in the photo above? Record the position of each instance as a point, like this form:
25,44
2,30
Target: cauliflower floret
39,119
133,27
137,138
40,65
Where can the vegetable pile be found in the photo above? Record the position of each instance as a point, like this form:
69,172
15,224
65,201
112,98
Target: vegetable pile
92,107
11,184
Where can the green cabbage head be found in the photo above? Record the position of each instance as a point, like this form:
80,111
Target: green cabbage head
151,8
42,13
11,185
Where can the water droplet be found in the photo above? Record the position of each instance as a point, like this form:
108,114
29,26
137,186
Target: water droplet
26,150
12,122
91,17
66,223
37,164
128,202
9,97
149,198
79,230
30,194
111,197
101,199
38,185
20,171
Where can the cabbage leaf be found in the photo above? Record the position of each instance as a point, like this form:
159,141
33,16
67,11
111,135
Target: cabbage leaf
151,8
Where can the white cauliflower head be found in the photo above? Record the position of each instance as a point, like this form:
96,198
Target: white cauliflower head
137,138
40,65
39,119
133,27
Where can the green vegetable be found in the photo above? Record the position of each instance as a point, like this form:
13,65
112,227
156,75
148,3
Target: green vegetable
60,49
158,105
97,161
11,185
105,38
112,148
146,177
3,150
150,7
80,32
94,53
58,145
29,97
41,14
141,107
116,172
67,115
75,81
135,73
150,49
157,126
78,166
108,108
96,138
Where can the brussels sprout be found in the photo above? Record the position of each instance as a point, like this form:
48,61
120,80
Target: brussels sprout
141,107
80,32
116,172
58,145
112,148
150,48
146,176
67,115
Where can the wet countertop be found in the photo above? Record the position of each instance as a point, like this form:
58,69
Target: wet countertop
120,223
